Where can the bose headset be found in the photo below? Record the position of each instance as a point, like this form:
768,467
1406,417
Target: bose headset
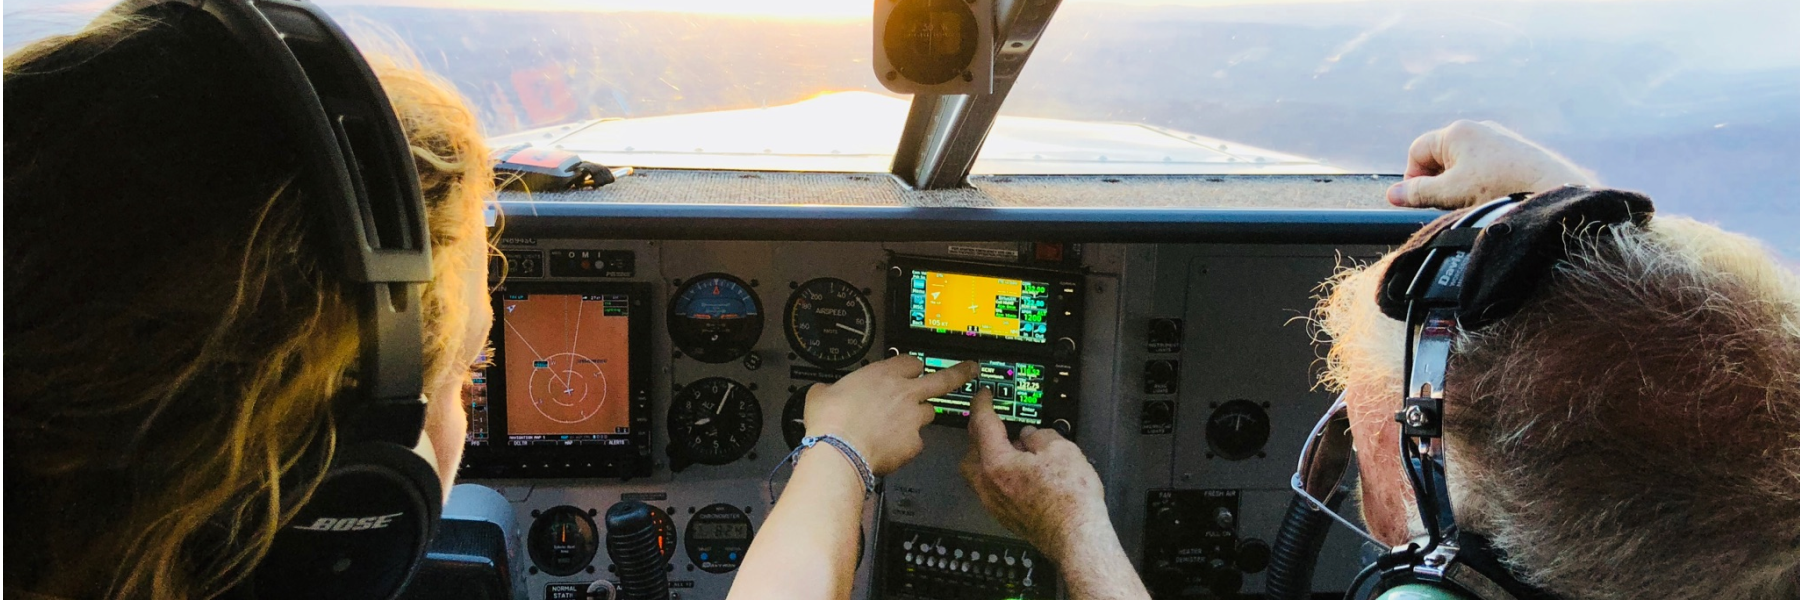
1461,273
363,532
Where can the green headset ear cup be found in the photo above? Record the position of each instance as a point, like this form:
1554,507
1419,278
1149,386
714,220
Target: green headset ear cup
1420,591
378,501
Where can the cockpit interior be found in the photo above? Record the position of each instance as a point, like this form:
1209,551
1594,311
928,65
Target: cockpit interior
1122,210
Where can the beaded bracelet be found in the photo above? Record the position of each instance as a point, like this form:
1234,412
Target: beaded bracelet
850,454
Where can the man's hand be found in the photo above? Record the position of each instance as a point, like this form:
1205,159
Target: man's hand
1041,488
880,408
1469,163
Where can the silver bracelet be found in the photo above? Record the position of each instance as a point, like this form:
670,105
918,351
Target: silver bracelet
850,454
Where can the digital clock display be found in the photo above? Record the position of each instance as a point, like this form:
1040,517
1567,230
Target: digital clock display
719,531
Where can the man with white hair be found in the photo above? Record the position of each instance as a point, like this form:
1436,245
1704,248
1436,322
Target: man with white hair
1620,405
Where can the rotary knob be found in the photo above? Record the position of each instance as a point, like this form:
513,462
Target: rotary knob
1253,555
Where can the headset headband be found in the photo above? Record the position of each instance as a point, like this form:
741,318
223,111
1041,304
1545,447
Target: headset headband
363,529
359,179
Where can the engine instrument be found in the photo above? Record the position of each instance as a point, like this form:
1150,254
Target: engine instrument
563,540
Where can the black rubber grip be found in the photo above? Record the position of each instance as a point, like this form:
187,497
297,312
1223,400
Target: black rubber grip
1296,551
631,543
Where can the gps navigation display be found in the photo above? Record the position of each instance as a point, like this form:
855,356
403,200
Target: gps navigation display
565,388
979,306
567,363
1018,390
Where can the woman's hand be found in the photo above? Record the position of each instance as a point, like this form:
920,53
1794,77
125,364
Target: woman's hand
880,408
1040,487
1469,163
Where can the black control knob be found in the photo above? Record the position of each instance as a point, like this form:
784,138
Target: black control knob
1166,582
1252,555
1164,330
1165,522
634,542
1222,579
1161,377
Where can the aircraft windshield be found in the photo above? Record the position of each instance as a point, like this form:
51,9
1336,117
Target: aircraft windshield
1690,100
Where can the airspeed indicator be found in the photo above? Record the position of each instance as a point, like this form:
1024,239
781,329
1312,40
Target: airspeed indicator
829,322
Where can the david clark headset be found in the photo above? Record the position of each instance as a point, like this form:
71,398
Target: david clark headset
1455,276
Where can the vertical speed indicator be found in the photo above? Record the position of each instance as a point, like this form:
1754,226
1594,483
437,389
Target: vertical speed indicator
829,322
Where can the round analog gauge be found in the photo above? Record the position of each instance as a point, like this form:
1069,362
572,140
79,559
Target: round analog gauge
717,537
793,417
714,421
931,41
715,318
1237,429
563,541
829,322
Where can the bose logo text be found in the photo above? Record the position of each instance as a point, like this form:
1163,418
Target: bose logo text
350,523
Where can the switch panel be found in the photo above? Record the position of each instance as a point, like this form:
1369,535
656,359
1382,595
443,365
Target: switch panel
611,264
927,563
1191,547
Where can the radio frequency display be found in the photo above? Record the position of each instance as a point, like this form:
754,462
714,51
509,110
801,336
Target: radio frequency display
1018,389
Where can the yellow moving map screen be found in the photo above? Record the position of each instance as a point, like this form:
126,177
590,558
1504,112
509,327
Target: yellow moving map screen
978,306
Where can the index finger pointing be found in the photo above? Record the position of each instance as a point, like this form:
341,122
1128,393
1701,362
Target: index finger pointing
943,381
985,429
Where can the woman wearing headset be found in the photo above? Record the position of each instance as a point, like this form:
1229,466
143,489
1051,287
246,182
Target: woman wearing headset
174,332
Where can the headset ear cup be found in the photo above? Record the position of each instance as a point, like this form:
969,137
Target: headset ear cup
1420,591
379,501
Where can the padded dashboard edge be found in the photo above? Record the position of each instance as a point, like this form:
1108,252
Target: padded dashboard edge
914,224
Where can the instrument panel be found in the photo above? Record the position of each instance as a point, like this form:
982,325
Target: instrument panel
1177,367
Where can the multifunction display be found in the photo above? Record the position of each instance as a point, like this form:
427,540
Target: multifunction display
978,306
568,391
1022,325
995,309
568,363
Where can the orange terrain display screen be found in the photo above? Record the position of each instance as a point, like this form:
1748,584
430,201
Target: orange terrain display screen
978,306
567,369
